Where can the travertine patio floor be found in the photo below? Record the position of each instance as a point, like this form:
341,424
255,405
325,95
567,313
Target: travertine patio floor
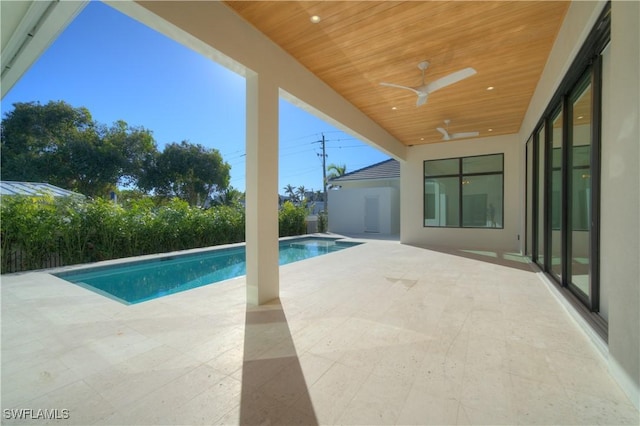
381,333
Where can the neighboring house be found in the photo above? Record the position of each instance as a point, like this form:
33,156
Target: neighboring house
34,189
314,206
367,201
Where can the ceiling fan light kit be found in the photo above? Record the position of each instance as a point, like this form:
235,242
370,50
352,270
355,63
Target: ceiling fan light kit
424,90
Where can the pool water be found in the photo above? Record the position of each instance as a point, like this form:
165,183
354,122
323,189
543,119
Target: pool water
136,282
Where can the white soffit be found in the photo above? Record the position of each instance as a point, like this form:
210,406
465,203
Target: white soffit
28,28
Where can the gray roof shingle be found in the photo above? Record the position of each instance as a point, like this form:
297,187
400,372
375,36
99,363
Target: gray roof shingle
388,169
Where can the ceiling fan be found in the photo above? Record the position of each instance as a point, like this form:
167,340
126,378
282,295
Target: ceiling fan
424,90
447,137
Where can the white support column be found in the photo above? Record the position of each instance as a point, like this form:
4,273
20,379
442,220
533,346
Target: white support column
262,189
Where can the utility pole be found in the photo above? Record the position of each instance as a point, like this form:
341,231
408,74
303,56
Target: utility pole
324,176
324,170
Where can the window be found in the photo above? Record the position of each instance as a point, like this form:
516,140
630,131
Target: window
464,192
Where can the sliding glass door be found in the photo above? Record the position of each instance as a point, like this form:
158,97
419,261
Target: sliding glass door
556,194
580,190
561,211
562,158
528,237
540,243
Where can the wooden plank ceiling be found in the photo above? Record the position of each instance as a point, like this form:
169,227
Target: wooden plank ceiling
359,44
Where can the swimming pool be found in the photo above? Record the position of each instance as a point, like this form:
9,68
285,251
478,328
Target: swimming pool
139,281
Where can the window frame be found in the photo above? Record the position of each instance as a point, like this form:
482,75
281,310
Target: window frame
460,175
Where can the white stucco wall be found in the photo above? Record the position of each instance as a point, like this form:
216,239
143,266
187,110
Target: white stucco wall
413,231
371,183
347,210
620,201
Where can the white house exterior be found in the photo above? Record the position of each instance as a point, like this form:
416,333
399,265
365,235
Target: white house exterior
366,200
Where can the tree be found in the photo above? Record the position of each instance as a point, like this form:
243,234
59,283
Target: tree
64,146
228,197
302,193
188,171
113,156
290,191
33,136
335,171
137,147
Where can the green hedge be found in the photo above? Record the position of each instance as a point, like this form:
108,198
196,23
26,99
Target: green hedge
292,220
38,232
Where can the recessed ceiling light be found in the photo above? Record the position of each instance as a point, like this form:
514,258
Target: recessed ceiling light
394,108
490,88
491,130
315,19
580,117
421,139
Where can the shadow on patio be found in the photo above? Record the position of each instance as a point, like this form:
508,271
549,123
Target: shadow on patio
272,378
502,258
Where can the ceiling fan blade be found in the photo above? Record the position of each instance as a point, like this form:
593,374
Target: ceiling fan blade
413,89
449,79
465,135
422,98
445,134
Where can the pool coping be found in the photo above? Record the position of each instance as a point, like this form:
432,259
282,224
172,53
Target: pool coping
153,256
67,273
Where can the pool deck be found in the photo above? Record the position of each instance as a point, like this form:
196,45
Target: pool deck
381,333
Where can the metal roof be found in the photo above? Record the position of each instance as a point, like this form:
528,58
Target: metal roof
388,169
34,189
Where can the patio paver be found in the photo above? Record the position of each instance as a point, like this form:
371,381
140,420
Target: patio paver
381,333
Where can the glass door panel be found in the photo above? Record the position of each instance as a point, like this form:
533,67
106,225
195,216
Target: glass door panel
580,190
540,234
555,199
528,238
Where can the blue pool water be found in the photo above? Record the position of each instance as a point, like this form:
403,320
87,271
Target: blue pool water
136,282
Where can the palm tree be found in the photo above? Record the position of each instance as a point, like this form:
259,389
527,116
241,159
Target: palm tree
301,191
228,197
291,192
232,196
335,171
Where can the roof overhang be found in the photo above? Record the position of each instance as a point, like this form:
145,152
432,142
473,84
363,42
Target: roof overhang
28,28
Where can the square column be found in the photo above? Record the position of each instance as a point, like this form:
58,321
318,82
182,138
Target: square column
261,226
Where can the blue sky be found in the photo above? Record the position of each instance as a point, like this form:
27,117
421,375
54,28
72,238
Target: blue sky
122,70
